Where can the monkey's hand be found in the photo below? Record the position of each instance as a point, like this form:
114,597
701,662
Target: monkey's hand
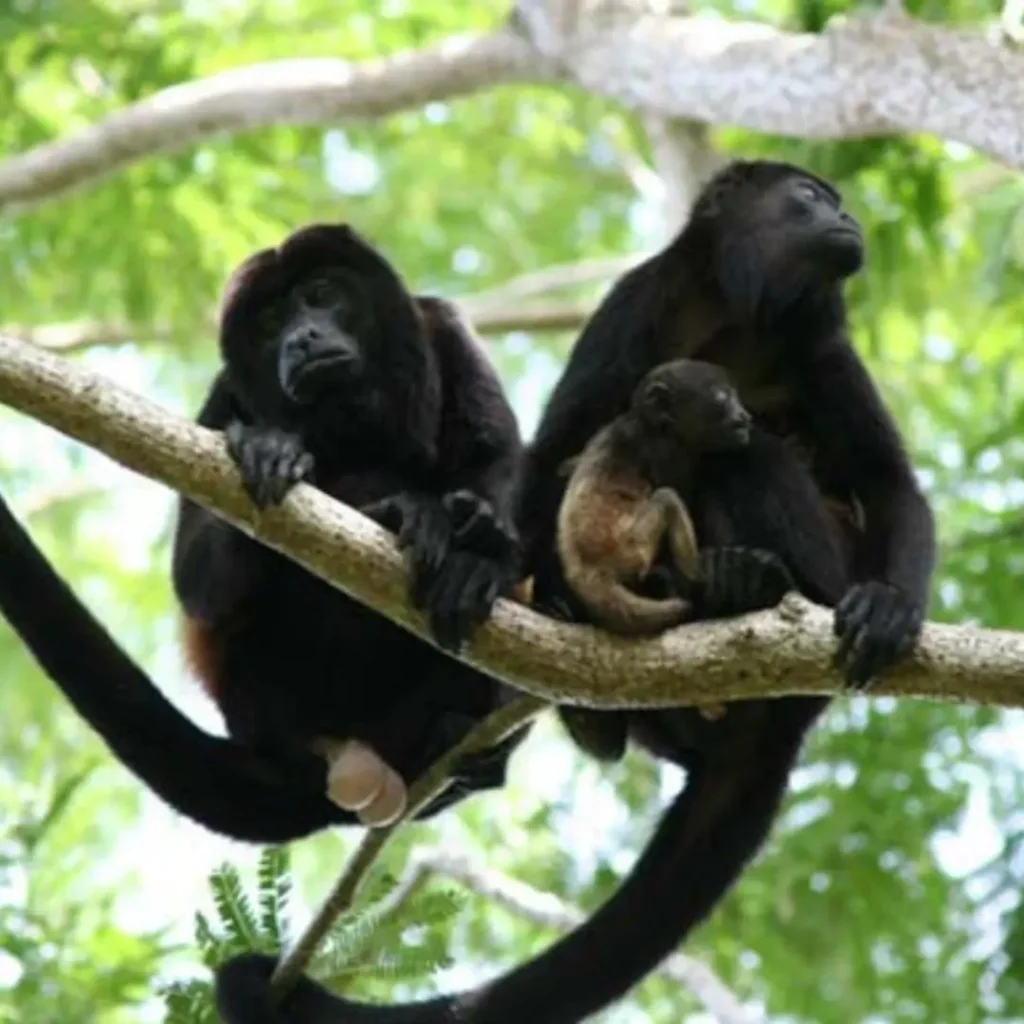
737,580
877,624
422,531
482,564
271,461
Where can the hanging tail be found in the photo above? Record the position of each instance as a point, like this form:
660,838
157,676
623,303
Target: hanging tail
705,840
215,782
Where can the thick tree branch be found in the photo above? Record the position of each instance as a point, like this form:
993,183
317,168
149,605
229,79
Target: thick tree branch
866,75
298,92
786,651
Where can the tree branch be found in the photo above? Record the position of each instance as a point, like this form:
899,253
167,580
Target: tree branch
784,651
295,92
561,315
493,311
866,75
548,910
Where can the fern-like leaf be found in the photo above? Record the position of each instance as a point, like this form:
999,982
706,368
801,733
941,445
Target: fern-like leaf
275,886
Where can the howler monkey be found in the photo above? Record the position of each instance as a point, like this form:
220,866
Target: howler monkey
618,511
335,374
618,508
753,283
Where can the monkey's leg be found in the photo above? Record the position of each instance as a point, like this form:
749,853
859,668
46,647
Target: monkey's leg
678,527
623,610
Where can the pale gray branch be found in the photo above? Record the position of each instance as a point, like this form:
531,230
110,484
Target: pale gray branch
864,75
685,159
784,651
548,910
493,318
297,92
553,278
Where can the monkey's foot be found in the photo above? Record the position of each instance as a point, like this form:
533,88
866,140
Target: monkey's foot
475,525
423,533
482,564
271,461
877,625
736,580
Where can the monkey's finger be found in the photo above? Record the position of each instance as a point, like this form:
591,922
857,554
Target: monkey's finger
874,654
852,658
468,597
845,646
302,467
853,609
443,600
464,508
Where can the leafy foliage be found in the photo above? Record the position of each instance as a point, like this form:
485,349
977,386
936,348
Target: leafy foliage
389,933
897,867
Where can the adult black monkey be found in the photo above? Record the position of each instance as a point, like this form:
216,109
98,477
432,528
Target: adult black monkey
738,768
333,373
753,283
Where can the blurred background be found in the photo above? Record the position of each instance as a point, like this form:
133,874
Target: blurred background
889,894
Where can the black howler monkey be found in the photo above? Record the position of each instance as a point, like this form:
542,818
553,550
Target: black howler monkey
754,283
335,374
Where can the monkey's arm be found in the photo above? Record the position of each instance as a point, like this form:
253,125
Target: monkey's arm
478,464
880,618
213,565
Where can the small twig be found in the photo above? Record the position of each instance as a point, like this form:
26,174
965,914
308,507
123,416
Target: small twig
549,911
487,734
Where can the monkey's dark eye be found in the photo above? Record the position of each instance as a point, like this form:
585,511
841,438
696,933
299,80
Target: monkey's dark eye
805,190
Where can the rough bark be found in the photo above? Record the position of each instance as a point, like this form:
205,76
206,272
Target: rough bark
866,75
771,653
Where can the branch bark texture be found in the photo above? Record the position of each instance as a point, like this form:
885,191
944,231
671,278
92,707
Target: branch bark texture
784,651
864,75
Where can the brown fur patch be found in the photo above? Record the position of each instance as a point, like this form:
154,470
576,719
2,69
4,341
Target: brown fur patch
200,655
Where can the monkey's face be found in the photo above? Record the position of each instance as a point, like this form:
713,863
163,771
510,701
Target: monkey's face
694,403
322,327
805,230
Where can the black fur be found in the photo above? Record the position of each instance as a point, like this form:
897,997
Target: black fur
421,415
753,283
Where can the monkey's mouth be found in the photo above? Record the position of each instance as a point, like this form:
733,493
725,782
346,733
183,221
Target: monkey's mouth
741,434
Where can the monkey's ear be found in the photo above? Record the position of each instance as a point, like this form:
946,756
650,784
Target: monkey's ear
657,402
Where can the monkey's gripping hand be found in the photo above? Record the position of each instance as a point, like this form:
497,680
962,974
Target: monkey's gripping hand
461,558
877,624
483,563
737,580
422,531
270,461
